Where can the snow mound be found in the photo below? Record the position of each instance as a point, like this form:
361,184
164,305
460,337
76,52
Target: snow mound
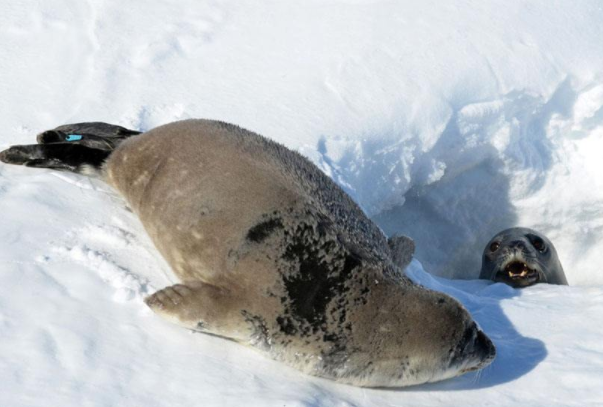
516,161
445,121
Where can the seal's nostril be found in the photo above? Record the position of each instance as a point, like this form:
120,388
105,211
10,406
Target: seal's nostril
518,244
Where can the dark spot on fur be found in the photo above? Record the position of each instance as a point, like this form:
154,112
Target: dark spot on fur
286,325
441,301
262,230
320,276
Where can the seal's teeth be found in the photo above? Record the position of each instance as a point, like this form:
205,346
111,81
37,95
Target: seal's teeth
517,269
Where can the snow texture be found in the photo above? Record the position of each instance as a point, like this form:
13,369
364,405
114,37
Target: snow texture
446,120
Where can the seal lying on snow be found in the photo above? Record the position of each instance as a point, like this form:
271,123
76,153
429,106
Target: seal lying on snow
271,253
521,257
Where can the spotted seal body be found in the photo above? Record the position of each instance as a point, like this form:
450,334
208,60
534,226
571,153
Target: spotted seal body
521,257
274,255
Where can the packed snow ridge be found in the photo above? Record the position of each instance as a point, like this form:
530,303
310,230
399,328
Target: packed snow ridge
445,121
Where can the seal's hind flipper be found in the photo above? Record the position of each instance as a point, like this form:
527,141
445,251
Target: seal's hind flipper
402,248
99,135
59,156
200,307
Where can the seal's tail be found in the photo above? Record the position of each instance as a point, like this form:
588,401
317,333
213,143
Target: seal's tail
79,147
98,135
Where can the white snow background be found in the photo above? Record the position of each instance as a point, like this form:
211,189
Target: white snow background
446,120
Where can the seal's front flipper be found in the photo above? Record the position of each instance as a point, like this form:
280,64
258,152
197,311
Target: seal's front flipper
59,156
200,307
402,248
103,136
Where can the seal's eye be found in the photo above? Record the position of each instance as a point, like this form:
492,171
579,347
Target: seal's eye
538,243
494,246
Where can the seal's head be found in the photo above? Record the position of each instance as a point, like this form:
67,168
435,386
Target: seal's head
521,257
405,335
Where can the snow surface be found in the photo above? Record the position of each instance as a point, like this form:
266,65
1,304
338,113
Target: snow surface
446,120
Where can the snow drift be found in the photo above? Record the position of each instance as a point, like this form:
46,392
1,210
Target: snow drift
447,121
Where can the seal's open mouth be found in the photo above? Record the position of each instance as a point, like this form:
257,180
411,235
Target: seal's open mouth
519,269
518,274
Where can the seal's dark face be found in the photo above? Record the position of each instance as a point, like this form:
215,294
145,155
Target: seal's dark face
519,257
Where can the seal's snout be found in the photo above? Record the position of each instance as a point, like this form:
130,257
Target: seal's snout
518,244
518,273
476,350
